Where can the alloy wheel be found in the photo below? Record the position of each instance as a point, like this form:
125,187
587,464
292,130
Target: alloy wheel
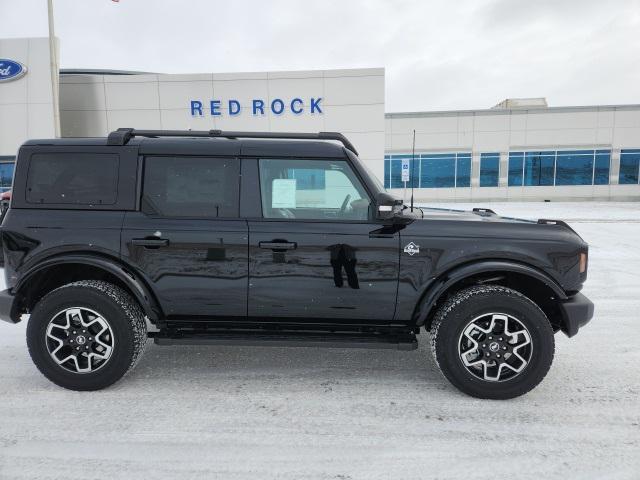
495,347
80,340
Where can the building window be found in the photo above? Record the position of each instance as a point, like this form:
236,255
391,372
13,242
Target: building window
489,169
429,170
562,167
387,171
438,170
396,173
516,163
463,170
395,170
530,168
6,175
445,170
629,166
575,167
602,167
538,168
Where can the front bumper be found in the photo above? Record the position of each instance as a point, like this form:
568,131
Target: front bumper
7,301
576,312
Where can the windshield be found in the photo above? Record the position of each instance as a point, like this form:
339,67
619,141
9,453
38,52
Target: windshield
373,180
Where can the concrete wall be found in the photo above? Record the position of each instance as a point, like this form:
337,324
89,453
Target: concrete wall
26,104
605,127
352,103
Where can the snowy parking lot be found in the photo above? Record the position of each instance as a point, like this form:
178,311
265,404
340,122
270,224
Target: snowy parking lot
306,413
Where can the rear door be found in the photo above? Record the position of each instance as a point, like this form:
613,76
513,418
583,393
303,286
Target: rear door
316,253
188,239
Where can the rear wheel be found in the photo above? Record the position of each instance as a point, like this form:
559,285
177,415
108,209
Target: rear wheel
492,342
86,335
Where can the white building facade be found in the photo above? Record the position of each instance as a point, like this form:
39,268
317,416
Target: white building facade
347,101
515,151
525,151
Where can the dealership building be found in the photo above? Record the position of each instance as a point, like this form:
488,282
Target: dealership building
519,149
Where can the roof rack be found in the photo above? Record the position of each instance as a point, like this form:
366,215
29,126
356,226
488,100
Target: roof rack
122,136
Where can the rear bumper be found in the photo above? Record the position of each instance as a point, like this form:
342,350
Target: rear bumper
6,306
576,313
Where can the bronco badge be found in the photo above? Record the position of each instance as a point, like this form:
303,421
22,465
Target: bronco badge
411,248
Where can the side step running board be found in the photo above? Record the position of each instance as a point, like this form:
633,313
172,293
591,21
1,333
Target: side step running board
335,340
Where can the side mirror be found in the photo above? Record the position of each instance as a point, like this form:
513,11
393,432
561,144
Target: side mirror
387,206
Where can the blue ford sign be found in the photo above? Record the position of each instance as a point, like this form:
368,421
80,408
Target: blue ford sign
11,70
258,106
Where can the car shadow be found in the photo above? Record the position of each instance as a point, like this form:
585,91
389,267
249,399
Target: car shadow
215,362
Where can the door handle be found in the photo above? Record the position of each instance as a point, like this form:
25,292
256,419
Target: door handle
278,245
150,242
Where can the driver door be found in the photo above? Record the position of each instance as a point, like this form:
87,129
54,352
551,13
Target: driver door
316,253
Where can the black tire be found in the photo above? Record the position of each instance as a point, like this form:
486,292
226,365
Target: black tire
459,311
123,315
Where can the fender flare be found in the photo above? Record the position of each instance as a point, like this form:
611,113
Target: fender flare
449,278
136,285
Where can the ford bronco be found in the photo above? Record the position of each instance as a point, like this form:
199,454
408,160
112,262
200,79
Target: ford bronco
218,238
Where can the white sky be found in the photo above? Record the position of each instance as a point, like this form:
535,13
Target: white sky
438,54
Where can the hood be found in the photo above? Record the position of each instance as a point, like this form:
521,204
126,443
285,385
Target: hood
475,215
484,222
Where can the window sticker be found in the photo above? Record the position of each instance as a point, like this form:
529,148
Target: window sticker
284,193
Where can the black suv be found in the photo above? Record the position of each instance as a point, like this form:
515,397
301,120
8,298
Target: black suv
271,239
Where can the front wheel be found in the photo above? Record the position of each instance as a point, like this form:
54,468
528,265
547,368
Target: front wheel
492,342
86,335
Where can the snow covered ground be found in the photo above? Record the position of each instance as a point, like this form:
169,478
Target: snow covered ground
304,413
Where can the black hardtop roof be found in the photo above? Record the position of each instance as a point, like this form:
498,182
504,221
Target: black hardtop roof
218,145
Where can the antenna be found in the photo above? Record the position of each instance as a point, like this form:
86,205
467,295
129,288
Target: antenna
413,162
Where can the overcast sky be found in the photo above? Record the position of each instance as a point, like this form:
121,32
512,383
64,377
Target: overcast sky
438,54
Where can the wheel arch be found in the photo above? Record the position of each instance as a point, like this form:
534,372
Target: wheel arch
524,278
62,269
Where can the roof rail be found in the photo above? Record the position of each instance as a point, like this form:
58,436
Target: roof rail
122,136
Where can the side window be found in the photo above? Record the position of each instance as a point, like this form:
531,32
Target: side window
191,187
6,175
312,190
73,178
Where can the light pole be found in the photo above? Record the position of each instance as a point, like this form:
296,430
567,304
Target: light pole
53,54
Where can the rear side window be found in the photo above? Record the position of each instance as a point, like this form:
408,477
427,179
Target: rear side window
73,178
191,187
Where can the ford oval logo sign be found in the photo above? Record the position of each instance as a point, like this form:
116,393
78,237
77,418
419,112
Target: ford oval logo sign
11,70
